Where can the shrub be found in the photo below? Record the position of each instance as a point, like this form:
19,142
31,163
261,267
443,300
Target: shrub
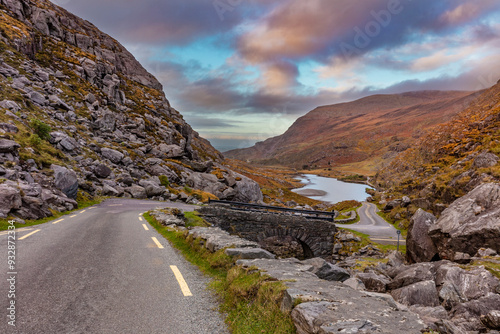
164,180
35,141
41,129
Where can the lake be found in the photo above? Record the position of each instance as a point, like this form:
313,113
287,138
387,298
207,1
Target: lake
331,190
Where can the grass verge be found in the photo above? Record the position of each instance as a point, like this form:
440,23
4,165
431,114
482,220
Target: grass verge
4,223
251,301
365,241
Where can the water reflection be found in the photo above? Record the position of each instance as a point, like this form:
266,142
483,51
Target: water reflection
331,190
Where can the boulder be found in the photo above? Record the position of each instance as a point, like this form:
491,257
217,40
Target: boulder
250,253
65,180
484,160
412,274
137,191
154,190
247,190
492,319
10,198
469,284
326,270
470,223
113,155
355,283
395,259
8,146
430,315
102,171
7,127
421,294
171,151
419,246
107,190
37,98
467,316
374,282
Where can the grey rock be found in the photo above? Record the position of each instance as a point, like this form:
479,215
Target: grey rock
374,282
10,198
37,98
326,270
355,283
247,190
395,259
484,252
10,105
102,171
65,180
430,315
421,293
113,155
470,284
250,253
110,191
484,160
154,190
7,127
469,223
8,146
419,246
412,274
492,319
171,151
467,316
137,191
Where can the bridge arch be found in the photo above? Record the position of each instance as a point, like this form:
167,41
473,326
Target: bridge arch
299,235
316,237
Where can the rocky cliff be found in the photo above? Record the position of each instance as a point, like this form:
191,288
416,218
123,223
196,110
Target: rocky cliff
450,161
370,131
79,116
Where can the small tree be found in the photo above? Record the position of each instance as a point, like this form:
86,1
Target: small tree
41,129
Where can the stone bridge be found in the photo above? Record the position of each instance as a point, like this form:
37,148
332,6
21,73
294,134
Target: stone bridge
315,236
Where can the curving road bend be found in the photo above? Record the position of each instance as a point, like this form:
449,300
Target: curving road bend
372,224
103,270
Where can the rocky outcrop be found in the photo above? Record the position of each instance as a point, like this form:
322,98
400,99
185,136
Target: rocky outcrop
470,223
419,245
79,100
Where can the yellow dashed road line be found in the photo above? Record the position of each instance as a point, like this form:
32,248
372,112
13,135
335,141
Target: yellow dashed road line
157,242
27,235
182,283
145,227
73,216
58,221
140,218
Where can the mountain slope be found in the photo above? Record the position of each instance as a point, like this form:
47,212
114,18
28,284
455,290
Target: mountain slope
79,116
452,160
375,127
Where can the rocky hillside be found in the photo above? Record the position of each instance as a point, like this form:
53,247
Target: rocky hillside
450,161
79,117
371,130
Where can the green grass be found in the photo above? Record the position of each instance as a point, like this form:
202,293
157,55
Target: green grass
250,301
192,219
4,223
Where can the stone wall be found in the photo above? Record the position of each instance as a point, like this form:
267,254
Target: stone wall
316,236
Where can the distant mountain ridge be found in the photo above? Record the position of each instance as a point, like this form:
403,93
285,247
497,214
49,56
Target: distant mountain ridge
372,128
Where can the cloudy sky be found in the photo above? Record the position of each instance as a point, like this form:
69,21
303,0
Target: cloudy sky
241,71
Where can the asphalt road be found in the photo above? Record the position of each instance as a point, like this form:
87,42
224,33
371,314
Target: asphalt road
372,224
99,270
